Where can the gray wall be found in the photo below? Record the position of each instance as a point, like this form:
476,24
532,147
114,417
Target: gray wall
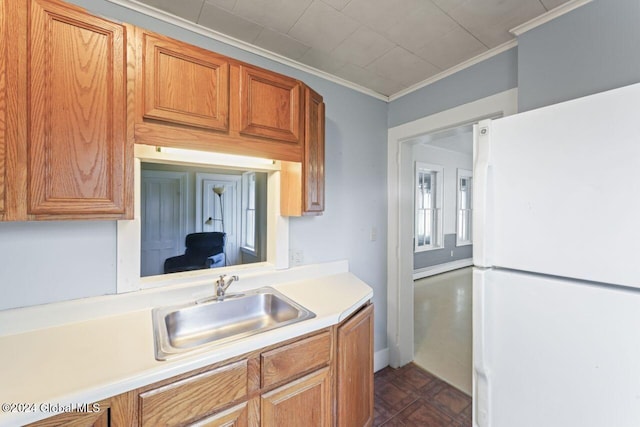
591,49
355,202
55,261
487,78
449,253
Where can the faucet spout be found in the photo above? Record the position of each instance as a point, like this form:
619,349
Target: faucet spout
222,285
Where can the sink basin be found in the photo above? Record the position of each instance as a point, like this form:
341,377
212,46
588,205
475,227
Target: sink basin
185,328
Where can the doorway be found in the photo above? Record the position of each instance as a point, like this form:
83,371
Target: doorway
400,249
218,209
443,163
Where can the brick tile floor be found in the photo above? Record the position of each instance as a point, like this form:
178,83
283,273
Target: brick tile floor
410,396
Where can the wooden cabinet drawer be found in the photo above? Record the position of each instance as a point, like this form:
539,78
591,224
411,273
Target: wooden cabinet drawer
292,360
195,397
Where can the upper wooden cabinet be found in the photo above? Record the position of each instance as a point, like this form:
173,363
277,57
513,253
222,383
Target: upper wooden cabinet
64,152
270,105
183,84
302,191
188,97
78,156
313,160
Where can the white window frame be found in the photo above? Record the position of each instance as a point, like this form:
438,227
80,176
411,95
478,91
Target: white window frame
463,173
248,220
437,234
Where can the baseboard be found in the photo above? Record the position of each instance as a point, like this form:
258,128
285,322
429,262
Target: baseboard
380,359
441,268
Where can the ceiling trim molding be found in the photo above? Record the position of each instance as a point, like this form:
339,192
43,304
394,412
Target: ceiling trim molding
446,73
548,16
248,47
267,54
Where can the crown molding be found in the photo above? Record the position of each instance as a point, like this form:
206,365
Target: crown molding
247,47
267,54
446,73
548,16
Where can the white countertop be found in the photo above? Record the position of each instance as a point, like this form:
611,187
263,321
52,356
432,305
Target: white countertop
91,359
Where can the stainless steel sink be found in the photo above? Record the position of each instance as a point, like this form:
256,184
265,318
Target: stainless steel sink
185,328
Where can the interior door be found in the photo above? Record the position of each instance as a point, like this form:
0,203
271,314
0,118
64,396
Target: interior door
221,212
163,206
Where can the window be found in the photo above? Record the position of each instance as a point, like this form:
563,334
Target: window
249,211
465,207
428,207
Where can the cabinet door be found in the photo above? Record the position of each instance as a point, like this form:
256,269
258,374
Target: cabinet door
305,402
78,157
184,84
270,105
355,370
95,416
313,161
238,416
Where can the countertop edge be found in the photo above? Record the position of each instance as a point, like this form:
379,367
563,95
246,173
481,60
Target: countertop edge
181,365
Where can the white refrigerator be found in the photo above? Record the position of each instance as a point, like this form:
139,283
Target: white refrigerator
556,282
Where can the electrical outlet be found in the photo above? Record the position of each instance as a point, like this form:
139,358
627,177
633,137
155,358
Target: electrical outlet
374,234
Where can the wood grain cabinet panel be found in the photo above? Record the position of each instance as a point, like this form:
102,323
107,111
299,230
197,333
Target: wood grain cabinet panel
354,396
313,160
304,402
79,161
194,398
3,103
238,416
184,84
100,418
270,105
294,359
302,183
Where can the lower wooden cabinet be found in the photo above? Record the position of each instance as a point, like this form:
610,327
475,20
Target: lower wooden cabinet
354,370
237,416
319,380
304,402
195,397
79,419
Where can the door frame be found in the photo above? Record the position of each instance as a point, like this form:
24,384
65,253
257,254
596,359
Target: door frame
234,180
400,213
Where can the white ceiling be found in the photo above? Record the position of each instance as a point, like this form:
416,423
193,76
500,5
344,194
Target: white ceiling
384,45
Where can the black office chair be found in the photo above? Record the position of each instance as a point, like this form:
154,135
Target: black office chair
204,250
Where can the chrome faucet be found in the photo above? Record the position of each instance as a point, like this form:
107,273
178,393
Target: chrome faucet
222,285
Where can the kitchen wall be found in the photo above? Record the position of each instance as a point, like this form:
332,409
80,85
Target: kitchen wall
53,261
450,162
589,50
494,75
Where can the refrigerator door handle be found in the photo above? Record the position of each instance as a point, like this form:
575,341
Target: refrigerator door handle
482,180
